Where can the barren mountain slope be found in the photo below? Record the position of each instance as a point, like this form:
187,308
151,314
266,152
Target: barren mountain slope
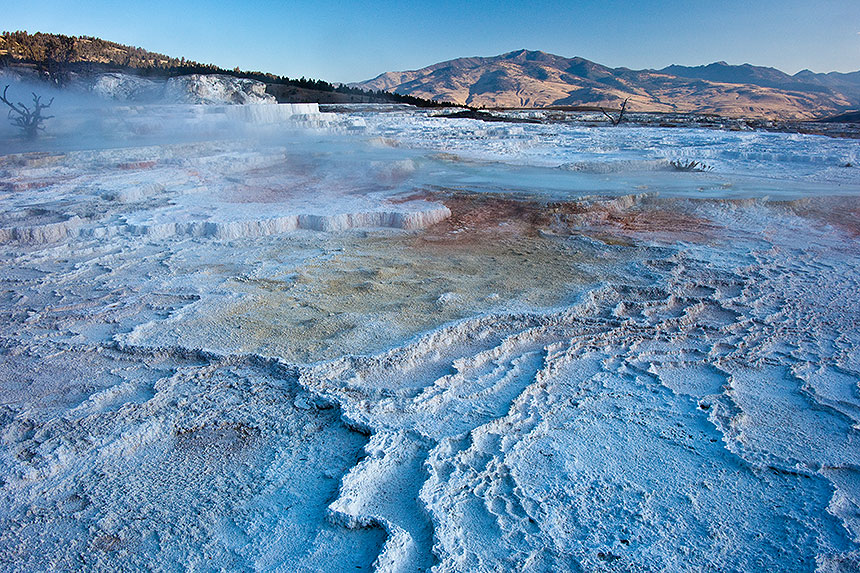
537,79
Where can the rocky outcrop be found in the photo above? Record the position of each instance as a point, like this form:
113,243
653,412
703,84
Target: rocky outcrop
126,87
216,89
210,89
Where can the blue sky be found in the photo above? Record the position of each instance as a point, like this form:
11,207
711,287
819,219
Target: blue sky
352,41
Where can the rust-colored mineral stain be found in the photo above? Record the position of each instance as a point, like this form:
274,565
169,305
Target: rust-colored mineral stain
840,212
137,165
656,220
476,217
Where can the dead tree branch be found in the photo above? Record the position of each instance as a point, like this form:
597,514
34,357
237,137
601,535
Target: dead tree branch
620,118
26,119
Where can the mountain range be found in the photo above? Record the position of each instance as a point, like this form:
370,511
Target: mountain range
526,78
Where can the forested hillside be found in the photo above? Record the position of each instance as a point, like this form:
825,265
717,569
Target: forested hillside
56,57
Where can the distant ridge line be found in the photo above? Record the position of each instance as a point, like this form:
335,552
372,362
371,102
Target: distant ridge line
530,78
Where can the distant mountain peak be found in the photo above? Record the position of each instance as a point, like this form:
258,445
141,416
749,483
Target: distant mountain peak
526,55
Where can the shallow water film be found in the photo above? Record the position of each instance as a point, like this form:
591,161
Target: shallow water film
384,340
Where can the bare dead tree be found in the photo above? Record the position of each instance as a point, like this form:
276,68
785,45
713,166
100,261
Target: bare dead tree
26,119
620,118
679,165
